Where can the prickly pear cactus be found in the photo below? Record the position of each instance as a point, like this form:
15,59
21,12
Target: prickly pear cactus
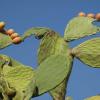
53,44
55,60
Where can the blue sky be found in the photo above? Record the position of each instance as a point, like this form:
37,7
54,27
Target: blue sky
23,14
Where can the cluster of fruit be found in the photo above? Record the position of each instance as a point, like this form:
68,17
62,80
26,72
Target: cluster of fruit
14,36
90,15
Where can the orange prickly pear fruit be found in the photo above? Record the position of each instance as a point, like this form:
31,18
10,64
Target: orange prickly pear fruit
17,40
10,32
97,16
14,35
91,15
2,25
82,14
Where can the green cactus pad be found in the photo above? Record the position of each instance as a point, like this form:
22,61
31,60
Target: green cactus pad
80,27
47,46
89,52
51,73
22,78
36,31
5,40
19,77
93,98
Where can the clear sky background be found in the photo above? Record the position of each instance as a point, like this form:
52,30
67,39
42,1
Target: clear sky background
23,14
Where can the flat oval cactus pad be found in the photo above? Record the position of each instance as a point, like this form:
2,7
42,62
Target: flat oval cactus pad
89,52
80,27
51,73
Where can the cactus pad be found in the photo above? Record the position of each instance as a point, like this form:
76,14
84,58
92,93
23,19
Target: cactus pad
4,41
89,52
80,27
51,73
